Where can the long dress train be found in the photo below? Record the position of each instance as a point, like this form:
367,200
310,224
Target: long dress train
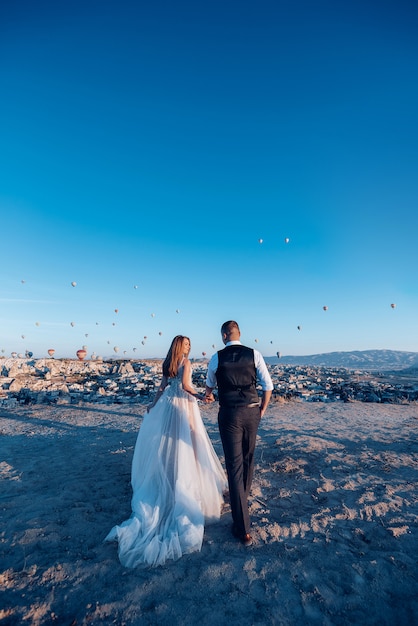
177,482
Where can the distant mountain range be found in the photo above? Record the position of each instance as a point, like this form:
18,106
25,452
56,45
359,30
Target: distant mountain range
358,359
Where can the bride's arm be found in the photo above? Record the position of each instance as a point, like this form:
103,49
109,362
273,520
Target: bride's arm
186,380
159,393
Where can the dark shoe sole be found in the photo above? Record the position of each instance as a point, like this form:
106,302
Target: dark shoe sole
245,539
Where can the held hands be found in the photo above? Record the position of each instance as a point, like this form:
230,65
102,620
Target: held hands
208,398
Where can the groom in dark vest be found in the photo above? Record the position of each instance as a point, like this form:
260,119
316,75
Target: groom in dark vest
235,371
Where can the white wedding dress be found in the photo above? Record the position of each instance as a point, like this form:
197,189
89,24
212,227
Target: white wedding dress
177,482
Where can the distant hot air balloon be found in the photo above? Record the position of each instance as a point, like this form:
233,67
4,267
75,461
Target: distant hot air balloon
299,327
143,343
145,337
160,333
325,308
14,354
286,240
113,323
116,349
73,284
135,286
27,353
72,324
278,355
152,314
23,336
256,340
51,352
260,241
393,305
116,310
177,310
23,281
134,349
203,353
85,348
37,324
81,354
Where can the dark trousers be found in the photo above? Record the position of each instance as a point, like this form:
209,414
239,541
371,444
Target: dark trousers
238,429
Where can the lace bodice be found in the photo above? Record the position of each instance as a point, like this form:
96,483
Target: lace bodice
176,381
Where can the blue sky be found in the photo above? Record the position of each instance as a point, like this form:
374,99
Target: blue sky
147,148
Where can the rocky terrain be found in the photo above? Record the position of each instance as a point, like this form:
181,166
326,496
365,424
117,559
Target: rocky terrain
68,381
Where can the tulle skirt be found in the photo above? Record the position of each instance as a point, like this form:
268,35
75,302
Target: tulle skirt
177,482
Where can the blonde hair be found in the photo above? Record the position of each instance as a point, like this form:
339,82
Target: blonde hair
174,356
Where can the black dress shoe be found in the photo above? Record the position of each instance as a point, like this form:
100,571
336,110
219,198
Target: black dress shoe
245,539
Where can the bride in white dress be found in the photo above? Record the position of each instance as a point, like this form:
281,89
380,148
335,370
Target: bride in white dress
177,479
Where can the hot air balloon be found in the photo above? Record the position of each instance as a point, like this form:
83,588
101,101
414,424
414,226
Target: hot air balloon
260,241
113,323
23,336
51,352
393,305
152,314
14,354
81,354
23,281
203,353
278,355
135,286
72,324
116,310
160,333
256,340
325,308
27,353
73,284
286,240
116,349
37,324
177,310
299,327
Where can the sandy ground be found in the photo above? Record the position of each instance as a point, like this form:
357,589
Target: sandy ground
334,510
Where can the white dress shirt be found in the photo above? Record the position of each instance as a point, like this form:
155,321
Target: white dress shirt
263,376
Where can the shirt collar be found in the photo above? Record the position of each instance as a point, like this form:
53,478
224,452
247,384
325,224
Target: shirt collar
233,343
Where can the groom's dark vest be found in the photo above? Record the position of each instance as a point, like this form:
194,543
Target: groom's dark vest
236,376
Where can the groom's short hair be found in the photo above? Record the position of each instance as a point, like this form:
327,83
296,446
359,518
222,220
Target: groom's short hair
228,327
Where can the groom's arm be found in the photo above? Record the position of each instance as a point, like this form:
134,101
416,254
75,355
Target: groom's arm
211,378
